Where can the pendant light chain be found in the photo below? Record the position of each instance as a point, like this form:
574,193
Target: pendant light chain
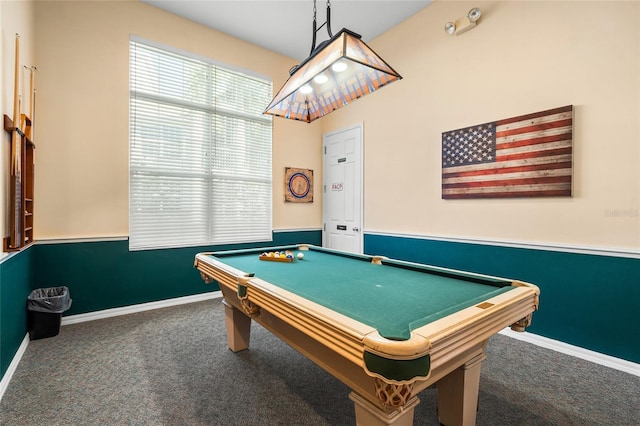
315,9
315,29
328,21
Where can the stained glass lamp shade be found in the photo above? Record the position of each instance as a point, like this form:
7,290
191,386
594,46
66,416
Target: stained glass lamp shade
340,70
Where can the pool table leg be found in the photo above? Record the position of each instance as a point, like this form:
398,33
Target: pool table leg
238,327
368,414
458,393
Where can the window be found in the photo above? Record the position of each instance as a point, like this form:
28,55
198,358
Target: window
199,152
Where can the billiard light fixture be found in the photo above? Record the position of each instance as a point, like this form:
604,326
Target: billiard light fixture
337,72
463,24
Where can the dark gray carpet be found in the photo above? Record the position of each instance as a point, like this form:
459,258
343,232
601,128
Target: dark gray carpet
171,366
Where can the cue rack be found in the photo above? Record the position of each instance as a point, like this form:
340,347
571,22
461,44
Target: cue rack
21,169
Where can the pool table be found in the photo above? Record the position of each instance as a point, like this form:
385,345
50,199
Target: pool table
386,328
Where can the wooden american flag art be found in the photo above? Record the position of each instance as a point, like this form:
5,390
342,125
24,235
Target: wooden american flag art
525,156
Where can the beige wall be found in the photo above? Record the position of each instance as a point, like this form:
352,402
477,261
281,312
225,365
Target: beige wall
16,17
523,57
83,105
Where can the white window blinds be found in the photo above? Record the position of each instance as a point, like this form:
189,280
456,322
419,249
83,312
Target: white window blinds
199,152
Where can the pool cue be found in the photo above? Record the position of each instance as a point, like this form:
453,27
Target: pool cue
32,111
27,120
15,162
16,154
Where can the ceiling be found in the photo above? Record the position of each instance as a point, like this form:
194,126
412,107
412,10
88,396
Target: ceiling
285,26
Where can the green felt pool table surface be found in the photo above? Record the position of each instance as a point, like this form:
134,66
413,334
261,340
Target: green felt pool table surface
393,297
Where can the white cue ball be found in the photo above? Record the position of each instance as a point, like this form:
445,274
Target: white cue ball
300,256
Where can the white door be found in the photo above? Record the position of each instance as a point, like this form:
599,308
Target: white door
342,190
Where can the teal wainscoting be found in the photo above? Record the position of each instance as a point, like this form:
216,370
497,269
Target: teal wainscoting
105,274
15,286
586,300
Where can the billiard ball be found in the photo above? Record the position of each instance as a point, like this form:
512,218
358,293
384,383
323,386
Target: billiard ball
300,256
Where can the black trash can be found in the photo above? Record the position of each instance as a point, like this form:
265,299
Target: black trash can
44,311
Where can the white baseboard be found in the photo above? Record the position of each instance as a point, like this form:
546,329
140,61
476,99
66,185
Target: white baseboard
4,383
596,357
576,351
74,319
545,342
114,312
